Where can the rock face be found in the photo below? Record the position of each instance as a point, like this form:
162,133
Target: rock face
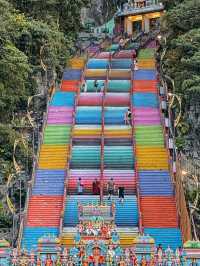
100,11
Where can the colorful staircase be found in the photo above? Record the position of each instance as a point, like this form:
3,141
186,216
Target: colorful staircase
86,137
45,204
102,145
157,199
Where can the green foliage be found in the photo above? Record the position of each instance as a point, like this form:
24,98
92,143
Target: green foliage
181,26
30,31
65,13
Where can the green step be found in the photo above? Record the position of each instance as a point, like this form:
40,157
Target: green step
147,53
55,134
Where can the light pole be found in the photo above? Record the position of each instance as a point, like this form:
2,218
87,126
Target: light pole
174,96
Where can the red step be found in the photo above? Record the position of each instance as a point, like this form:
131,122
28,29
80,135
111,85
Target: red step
145,86
70,85
44,211
159,212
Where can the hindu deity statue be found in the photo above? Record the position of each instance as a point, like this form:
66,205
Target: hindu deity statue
14,257
58,261
143,261
122,261
38,262
160,255
127,256
49,261
110,255
169,256
134,259
152,260
96,258
32,258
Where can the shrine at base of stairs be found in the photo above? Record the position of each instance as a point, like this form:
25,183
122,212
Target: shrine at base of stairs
99,250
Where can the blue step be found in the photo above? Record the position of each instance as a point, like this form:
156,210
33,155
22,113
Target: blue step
72,74
166,236
119,85
63,99
49,182
32,234
91,115
145,100
71,207
144,75
97,63
115,115
121,64
155,183
126,213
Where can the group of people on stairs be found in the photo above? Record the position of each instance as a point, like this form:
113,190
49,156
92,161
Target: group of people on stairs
98,87
110,187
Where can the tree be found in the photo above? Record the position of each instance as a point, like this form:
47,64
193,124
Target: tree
181,27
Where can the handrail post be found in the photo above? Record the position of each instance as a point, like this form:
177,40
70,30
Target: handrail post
69,154
135,155
102,138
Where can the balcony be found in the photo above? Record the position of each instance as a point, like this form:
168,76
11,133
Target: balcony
140,7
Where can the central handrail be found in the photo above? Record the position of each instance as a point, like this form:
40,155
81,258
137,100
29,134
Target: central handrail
102,136
135,153
69,154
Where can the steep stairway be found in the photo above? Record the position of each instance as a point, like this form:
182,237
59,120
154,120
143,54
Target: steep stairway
157,198
102,144
45,203
86,136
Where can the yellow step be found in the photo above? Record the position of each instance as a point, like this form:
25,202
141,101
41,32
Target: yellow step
77,63
146,63
152,158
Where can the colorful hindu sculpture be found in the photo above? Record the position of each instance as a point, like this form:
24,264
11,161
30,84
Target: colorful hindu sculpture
191,252
5,252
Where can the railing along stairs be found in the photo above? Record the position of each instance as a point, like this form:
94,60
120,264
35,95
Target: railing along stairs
32,181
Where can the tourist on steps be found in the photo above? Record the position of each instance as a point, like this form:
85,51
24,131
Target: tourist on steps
128,117
136,65
96,85
121,194
96,187
84,87
80,186
110,188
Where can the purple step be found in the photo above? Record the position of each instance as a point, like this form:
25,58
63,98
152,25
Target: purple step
124,178
87,176
49,182
146,116
60,115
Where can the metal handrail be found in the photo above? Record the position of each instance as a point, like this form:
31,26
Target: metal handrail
67,176
181,207
135,157
32,181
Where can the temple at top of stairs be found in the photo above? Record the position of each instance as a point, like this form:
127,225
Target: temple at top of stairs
139,15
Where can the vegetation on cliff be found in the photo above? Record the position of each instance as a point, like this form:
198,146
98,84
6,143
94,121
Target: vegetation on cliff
27,28
181,27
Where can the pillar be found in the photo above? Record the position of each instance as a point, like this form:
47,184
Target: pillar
129,28
146,24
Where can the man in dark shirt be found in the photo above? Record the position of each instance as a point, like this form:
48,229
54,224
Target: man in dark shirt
121,194
96,187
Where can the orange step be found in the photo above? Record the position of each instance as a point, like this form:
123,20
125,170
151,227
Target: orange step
158,212
44,211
